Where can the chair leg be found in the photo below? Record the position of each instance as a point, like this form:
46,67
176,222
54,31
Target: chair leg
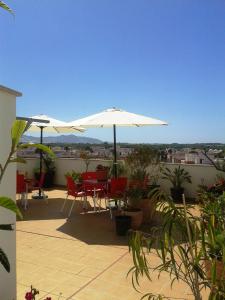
62,208
71,207
25,200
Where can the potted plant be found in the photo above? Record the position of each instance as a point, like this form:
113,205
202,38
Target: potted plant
141,161
177,177
134,196
213,227
49,169
77,178
184,245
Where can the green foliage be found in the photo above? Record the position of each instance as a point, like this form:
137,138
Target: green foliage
121,169
183,244
134,195
177,177
17,130
75,175
138,161
4,260
9,204
4,6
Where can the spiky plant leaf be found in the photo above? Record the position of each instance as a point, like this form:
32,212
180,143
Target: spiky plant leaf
18,160
10,205
17,131
6,7
4,260
37,146
6,227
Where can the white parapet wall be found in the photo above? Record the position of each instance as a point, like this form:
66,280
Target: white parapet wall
199,173
7,188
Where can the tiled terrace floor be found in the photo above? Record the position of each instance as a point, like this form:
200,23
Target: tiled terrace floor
81,258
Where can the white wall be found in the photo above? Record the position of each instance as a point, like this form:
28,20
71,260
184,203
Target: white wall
7,188
198,172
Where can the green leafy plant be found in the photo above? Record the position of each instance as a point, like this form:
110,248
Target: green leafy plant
184,245
17,130
86,158
134,196
4,6
138,162
176,177
75,175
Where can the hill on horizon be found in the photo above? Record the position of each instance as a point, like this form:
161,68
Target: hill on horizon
61,139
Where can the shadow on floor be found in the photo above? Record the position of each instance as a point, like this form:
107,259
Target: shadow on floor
90,227
93,228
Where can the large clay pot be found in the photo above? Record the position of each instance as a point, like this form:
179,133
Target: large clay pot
219,269
148,209
136,217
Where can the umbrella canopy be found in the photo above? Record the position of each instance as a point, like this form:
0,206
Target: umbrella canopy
53,125
116,117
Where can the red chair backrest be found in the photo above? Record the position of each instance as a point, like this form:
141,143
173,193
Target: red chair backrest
102,175
118,185
89,176
20,184
71,186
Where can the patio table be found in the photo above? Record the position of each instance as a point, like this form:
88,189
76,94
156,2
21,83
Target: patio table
93,187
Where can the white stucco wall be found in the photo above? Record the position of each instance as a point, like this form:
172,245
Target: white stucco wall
198,172
7,188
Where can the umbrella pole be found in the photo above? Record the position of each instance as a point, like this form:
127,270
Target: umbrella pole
41,158
114,150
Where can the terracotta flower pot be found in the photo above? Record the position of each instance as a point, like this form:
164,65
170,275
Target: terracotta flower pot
148,209
136,217
219,269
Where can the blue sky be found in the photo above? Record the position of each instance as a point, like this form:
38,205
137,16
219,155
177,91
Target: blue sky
160,58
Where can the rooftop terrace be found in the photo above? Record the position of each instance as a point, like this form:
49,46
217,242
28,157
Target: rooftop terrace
82,257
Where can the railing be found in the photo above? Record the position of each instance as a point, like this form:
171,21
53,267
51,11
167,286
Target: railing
199,173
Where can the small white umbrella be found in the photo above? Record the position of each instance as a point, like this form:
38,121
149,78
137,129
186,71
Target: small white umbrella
52,125
116,117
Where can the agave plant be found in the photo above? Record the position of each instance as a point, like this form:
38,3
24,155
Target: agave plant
177,177
6,202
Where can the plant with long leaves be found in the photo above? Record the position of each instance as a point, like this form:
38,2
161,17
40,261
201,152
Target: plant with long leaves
5,202
4,6
177,177
183,244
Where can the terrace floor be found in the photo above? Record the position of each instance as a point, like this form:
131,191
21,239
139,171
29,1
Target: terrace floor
82,258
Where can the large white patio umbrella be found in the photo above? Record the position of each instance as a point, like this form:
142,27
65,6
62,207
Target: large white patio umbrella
116,117
52,125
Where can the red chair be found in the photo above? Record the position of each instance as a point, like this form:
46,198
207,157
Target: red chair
89,176
21,189
117,191
74,191
102,175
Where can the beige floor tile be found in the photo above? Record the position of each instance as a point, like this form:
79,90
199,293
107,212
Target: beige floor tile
81,257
